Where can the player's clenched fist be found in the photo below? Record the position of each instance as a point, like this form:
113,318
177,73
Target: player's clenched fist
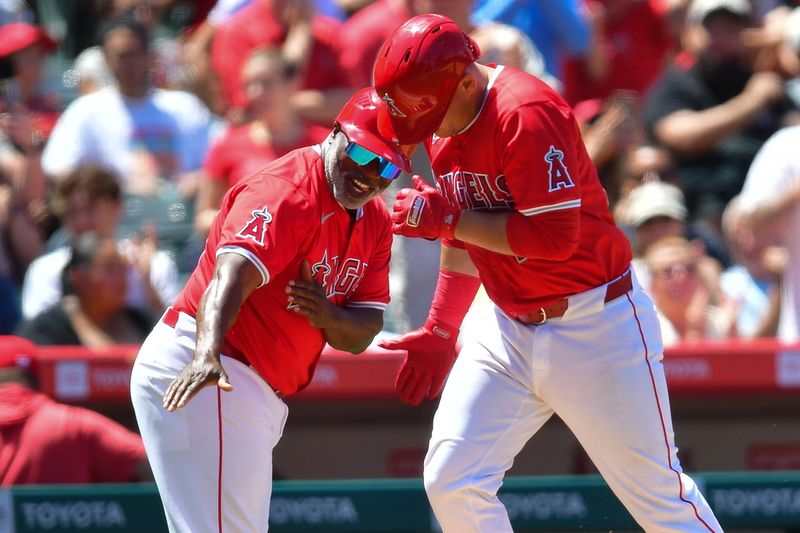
425,368
423,212
307,298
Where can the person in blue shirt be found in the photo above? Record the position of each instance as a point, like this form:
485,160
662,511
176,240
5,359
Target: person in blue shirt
558,29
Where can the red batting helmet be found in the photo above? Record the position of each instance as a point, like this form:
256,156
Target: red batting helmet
358,119
417,72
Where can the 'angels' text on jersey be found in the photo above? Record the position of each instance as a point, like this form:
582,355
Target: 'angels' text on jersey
472,190
338,279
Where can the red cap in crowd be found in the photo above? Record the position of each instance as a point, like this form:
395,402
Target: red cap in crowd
15,351
20,35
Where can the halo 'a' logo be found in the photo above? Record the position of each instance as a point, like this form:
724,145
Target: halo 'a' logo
557,171
256,227
392,105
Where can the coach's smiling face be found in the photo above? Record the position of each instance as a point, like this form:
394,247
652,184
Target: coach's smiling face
352,185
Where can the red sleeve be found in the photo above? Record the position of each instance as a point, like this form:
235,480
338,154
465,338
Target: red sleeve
373,289
218,165
539,145
262,223
114,451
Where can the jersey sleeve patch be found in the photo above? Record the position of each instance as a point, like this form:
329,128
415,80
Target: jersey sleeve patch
256,227
557,172
247,254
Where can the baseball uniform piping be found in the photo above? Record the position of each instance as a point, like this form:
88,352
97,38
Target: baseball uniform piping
569,204
244,252
661,416
368,305
219,472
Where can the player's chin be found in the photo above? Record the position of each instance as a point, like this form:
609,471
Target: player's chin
351,197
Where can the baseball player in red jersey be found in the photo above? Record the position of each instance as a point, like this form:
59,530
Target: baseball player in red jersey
298,256
520,209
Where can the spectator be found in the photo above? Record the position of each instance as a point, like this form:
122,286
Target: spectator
711,110
656,211
754,281
311,42
45,442
642,164
364,34
120,126
9,287
499,43
273,129
773,39
684,298
770,203
653,210
89,199
631,42
90,72
557,29
197,54
28,115
610,129
92,310
26,48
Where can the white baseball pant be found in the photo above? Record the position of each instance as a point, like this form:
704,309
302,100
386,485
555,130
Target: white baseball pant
212,459
598,368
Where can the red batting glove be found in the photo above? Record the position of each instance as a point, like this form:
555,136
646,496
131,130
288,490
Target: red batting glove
431,353
423,212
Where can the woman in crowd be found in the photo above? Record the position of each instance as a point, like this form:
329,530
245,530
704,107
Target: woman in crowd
273,129
92,311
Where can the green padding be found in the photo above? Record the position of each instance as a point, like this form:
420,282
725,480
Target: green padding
562,503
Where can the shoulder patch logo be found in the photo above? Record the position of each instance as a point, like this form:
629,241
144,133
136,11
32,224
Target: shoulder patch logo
256,227
557,172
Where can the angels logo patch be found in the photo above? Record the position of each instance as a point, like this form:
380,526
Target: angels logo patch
256,227
557,171
336,278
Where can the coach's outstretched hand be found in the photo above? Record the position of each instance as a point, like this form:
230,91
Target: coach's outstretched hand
426,365
194,376
423,212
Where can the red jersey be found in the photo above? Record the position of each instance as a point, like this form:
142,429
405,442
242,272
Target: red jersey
42,441
255,26
524,152
277,218
234,155
364,34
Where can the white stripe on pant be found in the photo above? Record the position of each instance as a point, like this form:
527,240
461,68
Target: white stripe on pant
184,446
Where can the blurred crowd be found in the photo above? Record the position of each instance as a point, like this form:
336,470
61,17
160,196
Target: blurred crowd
124,122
